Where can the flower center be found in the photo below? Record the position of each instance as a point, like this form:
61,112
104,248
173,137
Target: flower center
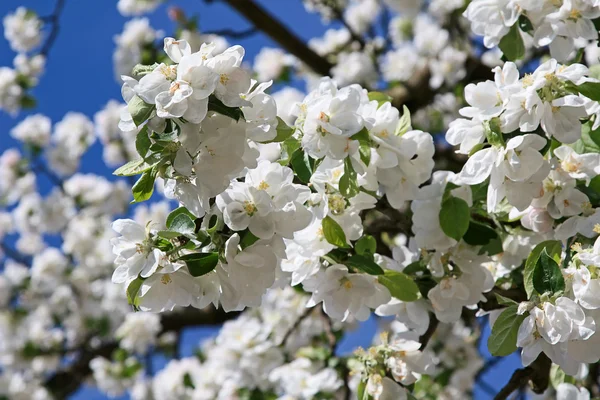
250,208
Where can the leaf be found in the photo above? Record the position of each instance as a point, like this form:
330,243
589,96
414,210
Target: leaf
493,132
248,240
140,110
217,106
175,213
557,376
365,264
133,167
503,339
288,147
505,300
183,224
525,24
144,187
132,291
365,245
379,97
400,285
364,150
553,248
454,217
362,135
590,90
589,141
168,234
301,165
547,276
348,182
404,125
479,234
361,391
283,132
143,142
200,263
512,45
333,232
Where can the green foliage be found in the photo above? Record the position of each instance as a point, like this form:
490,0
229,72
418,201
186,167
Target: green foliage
552,248
547,276
140,110
400,285
284,132
333,232
301,164
217,106
365,245
365,264
348,182
200,263
503,339
132,291
454,217
512,45
144,187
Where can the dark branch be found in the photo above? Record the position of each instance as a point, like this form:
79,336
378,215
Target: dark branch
67,380
433,324
53,19
538,373
273,28
233,34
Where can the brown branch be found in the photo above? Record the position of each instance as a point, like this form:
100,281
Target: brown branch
273,28
433,324
296,324
53,19
538,373
67,380
230,33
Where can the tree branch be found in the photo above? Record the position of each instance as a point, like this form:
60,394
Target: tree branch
538,373
433,324
273,28
233,34
67,380
53,19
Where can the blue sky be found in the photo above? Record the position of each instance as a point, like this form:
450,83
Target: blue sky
79,77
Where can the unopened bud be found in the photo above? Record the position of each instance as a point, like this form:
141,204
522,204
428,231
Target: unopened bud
176,14
524,307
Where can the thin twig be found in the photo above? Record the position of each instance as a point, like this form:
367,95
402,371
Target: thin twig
233,34
433,324
296,324
273,28
53,19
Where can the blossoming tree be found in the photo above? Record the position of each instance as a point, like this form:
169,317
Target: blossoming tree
441,174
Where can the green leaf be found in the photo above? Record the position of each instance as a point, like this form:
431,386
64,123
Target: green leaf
133,167
140,110
284,132
454,217
248,240
348,182
404,125
365,245
362,393
144,187
400,285
525,24
512,45
200,263
503,339
479,234
547,276
175,213
301,165
132,291
553,247
217,106
187,381
364,150
333,232
557,376
590,90
143,142
505,300
183,224
589,141
362,135
493,132
365,264
379,97
288,147
168,234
